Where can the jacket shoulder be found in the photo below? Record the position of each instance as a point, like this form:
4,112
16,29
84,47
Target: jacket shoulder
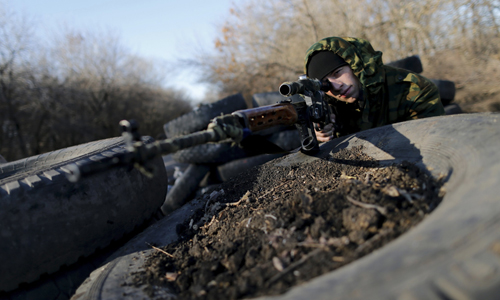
411,95
397,75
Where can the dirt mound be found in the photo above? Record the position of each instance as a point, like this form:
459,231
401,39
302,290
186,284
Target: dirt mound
275,227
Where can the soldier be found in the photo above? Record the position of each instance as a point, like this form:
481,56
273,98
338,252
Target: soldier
366,93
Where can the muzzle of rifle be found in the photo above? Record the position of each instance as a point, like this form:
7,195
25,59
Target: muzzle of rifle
299,87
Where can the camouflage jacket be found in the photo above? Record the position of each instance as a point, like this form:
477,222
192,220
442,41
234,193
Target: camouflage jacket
390,95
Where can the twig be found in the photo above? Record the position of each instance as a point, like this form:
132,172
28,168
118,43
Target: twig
232,203
243,198
270,216
271,190
380,209
344,176
312,245
371,242
406,195
211,221
293,266
158,249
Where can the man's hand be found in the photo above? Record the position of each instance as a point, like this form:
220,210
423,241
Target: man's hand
327,133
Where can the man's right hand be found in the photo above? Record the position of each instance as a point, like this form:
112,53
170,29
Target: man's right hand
328,132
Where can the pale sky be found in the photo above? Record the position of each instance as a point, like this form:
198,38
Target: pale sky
156,29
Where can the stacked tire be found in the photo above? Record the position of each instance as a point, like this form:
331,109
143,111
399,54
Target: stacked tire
454,253
446,88
48,223
213,163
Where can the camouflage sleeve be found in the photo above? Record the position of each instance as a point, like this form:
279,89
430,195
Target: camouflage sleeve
425,100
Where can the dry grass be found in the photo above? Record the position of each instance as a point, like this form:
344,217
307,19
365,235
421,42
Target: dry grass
476,81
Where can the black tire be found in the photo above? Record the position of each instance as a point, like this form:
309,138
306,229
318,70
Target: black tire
446,90
184,187
226,171
194,121
200,117
62,284
171,165
203,156
452,254
47,222
263,99
209,154
285,137
411,63
288,140
452,109
91,288
269,98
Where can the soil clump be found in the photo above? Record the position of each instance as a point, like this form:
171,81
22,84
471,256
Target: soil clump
273,227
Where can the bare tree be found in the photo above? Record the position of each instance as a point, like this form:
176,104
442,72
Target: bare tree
16,39
102,83
262,43
76,90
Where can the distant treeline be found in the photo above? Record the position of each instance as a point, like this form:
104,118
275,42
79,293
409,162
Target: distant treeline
80,86
74,90
263,43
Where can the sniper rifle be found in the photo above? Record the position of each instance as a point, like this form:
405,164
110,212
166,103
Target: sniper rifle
303,111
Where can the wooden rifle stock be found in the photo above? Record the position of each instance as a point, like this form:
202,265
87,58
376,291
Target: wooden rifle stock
264,117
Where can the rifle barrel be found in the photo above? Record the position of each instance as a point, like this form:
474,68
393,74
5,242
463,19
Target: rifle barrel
299,87
141,155
290,88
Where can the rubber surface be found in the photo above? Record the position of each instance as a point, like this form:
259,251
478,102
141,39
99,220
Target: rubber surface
210,154
287,138
452,109
452,254
263,99
184,187
446,90
47,222
102,283
199,118
226,171
410,63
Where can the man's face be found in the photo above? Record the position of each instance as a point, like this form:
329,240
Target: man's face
345,85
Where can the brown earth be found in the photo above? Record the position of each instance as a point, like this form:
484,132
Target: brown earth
478,97
275,227
476,80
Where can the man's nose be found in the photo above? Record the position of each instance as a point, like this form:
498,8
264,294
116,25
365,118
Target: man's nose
336,84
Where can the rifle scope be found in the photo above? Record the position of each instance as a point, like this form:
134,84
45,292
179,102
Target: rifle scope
299,87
